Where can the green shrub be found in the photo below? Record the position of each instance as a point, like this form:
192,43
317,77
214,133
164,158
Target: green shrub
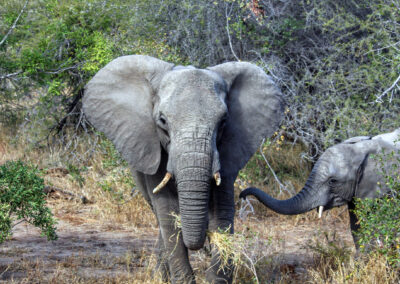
22,198
380,218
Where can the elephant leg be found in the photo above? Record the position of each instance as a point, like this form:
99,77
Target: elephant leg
174,253
162,265
162,268
172,259
222,211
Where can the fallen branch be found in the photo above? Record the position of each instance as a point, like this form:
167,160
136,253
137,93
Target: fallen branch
50,189
59,170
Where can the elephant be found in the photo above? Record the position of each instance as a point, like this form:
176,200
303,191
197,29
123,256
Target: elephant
343,172
185,133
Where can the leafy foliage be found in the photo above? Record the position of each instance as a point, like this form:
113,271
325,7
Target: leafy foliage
22,198
56,48
336,61
379,218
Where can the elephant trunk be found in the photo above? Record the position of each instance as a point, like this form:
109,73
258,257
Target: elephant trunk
193,176
304,201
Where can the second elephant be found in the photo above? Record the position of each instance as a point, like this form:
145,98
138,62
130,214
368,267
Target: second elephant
343,171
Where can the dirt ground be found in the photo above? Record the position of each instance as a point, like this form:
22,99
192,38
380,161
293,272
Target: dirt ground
98,251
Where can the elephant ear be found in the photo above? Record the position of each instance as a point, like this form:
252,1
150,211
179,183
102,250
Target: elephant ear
118,102
255,108
356,139
392,138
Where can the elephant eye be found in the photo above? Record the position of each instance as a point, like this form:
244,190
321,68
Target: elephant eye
332,181
162,122
162,119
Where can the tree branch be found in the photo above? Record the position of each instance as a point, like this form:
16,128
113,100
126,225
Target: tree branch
10,75
14,24
227,16
281,186
379,98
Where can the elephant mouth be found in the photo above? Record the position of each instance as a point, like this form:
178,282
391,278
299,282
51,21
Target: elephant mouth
337,201
334,202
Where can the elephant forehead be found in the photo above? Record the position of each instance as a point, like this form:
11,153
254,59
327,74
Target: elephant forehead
194,88
337,160
178,81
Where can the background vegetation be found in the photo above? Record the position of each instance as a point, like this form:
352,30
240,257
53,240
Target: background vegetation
337,63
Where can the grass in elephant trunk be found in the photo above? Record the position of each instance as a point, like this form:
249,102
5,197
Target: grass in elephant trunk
237,249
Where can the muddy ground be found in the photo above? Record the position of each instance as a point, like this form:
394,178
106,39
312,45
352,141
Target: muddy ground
92,251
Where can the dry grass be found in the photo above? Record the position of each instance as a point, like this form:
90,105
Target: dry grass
85,269
341,267
266,247
108,189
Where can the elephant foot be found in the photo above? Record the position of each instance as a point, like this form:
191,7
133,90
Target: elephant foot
184,279
219,278
216,273
162,270
181,273
163,273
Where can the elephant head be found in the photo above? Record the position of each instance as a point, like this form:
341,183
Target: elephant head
342,172
209,122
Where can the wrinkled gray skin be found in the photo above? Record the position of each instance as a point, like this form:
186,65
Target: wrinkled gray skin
343,171
192,123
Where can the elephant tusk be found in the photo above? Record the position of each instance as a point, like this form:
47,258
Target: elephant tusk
162,183
320,209
217,178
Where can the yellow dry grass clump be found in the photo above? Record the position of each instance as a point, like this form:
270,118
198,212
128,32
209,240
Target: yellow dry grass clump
367,269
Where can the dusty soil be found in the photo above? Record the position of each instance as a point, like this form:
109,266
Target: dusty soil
90,250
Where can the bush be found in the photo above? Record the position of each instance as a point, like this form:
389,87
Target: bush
22,198
379,218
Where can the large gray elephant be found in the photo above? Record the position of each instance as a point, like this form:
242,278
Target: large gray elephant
197,127
343,171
